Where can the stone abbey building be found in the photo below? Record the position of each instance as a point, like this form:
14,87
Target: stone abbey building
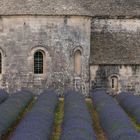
63,44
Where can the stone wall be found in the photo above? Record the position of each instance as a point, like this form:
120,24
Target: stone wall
115,41
107,8
58,37
128,77
115,53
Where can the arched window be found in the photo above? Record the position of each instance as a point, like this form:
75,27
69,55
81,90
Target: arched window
0,63
38,62
114,83
77,62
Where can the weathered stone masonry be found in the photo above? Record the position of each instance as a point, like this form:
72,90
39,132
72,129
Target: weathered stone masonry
116,52
84,44
128,77
58,37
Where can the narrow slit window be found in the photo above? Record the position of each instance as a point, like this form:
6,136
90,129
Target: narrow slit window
114,83
77,62
38,62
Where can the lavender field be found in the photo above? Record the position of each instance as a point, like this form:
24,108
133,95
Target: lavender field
74,117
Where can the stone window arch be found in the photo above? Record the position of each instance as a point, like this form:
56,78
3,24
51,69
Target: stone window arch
77,62
38,60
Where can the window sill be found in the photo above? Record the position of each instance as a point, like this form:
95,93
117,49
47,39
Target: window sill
77,78
39,76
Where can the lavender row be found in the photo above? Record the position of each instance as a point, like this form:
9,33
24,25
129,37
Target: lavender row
113,119
131,104
11,108
77,122
3,95
38,123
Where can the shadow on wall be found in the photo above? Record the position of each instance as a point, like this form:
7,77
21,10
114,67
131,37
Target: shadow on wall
107,77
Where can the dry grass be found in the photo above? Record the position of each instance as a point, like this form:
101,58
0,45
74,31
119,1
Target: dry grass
58,121
136,125
96,125
59,118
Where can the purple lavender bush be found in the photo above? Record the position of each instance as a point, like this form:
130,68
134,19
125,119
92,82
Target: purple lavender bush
38,123
11,108
77,122
130,103
3,95
113,119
